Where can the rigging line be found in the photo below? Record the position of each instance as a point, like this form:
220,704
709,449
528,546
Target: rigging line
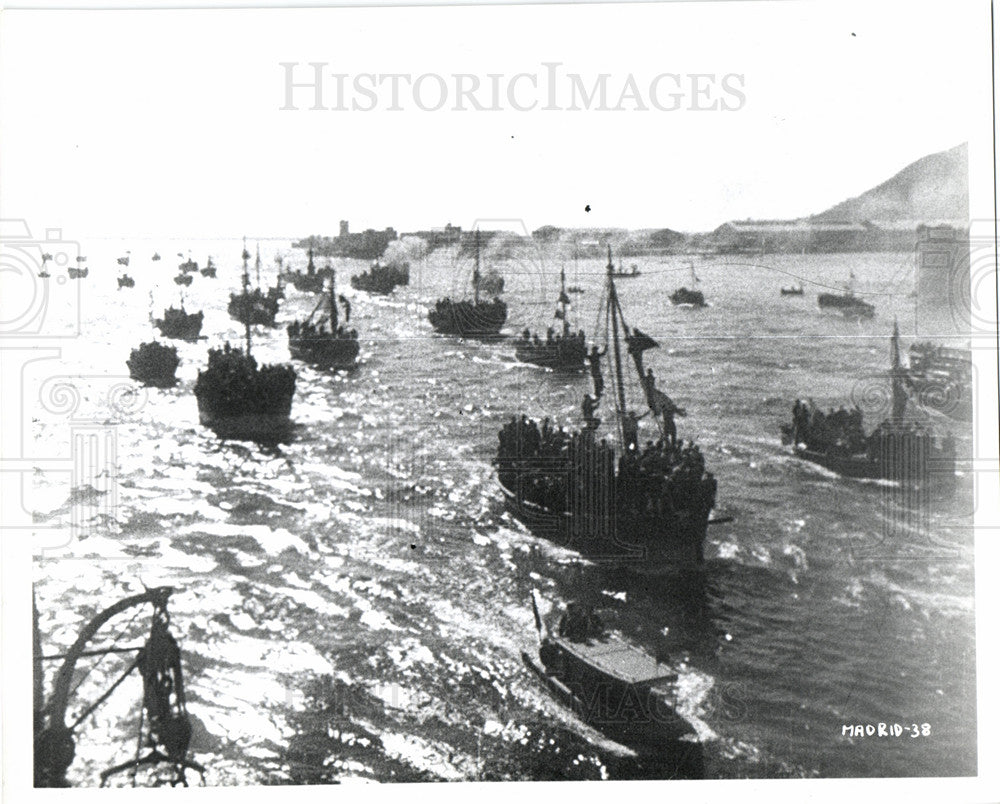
94,666
107,694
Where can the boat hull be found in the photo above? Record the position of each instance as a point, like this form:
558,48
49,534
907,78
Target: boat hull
259,427
325,353
660,546
469,321
558,356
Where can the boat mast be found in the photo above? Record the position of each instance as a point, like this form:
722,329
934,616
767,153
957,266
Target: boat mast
475,273
246,267
247,305
257,265
898,392
563,299
614,311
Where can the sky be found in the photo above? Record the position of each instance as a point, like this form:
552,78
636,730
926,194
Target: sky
170,123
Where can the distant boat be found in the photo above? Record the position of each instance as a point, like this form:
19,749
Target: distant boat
189,266
179,324
621,273
254,306
209,269
566,350
77,273
793,291
124,260
846,303
382,279
311,281
156,256
184,279
154,364
476,319
327,347
690,298
125,281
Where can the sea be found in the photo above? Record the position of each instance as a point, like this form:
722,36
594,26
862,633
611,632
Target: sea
353,605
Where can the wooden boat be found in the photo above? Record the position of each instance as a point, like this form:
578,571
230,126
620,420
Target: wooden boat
688,298
78,273
846,303
333,348
179,324
475,319
209,269
795,290
382,279
125,281
898,450
645,508
237,399
183,279
154,364
311,281
254,306
563,351
615,687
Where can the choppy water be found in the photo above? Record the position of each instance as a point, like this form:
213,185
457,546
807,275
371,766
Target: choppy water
354,604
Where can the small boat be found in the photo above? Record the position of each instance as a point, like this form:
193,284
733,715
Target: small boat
475,319
240,400
156,256
846,303
77,273
209,269
621,273
179,324
795,290
125,281
189,266
125,260
900,450
254,306
566,350
689,298
574,289
334,347
43,274
382,279
619,689
183,279
154,364
311,281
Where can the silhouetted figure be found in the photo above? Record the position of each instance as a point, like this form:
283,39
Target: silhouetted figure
595,369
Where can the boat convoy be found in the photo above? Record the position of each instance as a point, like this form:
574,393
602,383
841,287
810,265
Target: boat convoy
624,486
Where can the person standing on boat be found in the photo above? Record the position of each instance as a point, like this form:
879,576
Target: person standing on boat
662,405
595,369
589,406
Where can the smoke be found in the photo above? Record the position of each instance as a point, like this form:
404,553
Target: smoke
400,253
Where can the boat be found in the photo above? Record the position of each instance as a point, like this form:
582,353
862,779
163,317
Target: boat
179,324
846,303
566,350
475,319
78,273
795,290
311,281
237,399
617,688
43,274
254,306
899,449
941,379
645,507
209,269
689,298
189,266
574,289
125,281
183,279
154,364
334,347
621,273
156,256
125,260
382,279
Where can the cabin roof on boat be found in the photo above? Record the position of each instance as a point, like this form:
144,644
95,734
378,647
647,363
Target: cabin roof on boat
620,660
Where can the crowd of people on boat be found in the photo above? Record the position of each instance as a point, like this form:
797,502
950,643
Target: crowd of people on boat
553,339
233,382
552,468
835,432
306,330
